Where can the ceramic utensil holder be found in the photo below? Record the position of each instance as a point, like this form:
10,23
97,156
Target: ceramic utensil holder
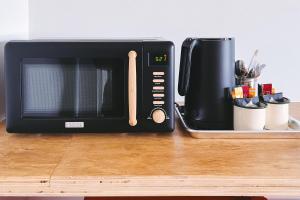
249,118
277,115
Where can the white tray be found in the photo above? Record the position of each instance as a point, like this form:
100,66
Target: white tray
230,134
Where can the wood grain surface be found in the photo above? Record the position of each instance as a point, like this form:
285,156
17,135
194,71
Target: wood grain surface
147,164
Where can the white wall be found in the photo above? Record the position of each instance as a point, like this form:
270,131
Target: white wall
13,25
271,26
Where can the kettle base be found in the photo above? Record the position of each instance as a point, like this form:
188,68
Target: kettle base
203,125
200,125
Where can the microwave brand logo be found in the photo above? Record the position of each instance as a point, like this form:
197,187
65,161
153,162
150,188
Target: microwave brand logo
74,124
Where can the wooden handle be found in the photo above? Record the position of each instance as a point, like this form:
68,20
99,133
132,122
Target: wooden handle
132,88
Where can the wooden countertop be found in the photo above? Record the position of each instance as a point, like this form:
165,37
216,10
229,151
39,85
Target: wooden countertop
147,164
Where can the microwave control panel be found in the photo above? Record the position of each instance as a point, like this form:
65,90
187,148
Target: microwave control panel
158,113
158,84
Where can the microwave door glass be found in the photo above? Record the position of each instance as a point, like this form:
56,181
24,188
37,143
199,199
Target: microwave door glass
75,88
104,92
101,88
48,87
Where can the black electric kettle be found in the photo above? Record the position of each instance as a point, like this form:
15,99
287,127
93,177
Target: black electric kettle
205,77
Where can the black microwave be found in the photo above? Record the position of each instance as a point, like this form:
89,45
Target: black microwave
89,86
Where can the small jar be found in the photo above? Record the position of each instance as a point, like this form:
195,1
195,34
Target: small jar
277,115
249,118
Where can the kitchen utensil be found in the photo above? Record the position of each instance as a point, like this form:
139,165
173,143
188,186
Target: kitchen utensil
253,61
251,73
207,70
258,70
240,69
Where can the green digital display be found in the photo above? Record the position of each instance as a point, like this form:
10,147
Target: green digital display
158,59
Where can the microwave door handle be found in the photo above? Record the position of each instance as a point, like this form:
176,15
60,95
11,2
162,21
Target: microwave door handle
132,96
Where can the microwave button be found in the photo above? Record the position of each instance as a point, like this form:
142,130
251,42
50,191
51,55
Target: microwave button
158,80
158,116
158,102
158,95
158,73
158,88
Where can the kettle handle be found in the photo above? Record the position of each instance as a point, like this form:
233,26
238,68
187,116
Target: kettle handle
185,64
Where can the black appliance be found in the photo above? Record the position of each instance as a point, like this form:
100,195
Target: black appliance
89,86
206,74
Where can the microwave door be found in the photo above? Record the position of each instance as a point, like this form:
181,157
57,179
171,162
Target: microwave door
99,85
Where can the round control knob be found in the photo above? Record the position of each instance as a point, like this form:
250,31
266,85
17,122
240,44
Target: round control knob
158,116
